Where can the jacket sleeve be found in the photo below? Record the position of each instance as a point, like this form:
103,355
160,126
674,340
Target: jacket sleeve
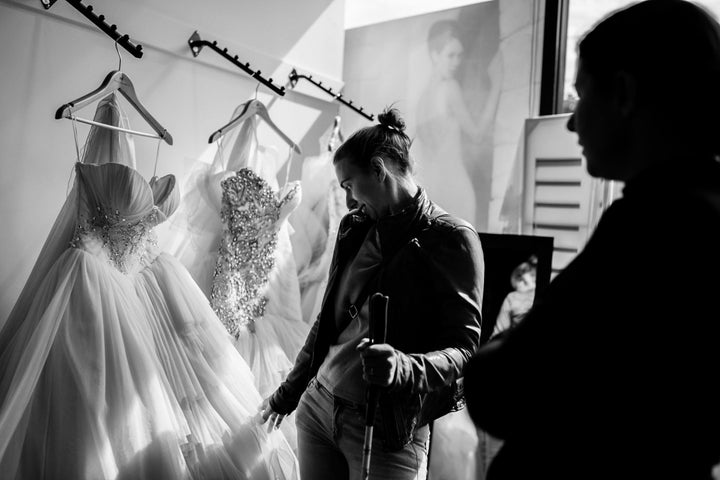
457,273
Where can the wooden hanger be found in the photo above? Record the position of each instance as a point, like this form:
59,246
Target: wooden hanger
254,107
114,81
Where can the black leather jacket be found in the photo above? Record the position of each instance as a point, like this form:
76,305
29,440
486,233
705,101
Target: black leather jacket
433,273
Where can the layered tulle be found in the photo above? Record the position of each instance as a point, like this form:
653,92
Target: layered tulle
83,395
210,379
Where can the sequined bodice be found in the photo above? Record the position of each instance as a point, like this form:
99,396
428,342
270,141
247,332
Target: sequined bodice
252,213
117,210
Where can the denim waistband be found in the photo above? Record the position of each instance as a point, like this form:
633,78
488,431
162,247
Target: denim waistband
338,400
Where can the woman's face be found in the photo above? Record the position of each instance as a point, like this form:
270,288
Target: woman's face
448,58
363,188
600,127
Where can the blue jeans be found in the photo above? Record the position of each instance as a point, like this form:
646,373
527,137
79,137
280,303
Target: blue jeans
330,441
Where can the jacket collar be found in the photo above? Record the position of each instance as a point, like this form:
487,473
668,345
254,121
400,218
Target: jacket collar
396,230
393,233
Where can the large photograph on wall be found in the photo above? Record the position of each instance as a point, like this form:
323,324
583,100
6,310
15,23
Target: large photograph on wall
442,71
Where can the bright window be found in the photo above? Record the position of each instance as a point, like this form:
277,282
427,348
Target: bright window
582,15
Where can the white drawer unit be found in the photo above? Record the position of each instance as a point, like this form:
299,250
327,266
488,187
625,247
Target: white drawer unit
560,199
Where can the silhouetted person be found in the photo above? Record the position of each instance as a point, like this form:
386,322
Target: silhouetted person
613,374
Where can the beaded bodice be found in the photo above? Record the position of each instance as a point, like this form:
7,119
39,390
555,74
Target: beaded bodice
107,235
252,214
117,211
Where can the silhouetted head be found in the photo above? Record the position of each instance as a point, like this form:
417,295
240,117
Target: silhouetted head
445,47
372,160
648,82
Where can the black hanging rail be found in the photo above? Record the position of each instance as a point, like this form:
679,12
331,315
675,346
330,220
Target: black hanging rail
295,76
99,21
196,44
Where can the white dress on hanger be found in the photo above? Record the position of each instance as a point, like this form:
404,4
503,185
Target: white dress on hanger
112,364
315,223
260,306
254,273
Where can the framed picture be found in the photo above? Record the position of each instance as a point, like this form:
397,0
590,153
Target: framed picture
507,258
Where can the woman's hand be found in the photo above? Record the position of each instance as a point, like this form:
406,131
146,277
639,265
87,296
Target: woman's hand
379,362
267,413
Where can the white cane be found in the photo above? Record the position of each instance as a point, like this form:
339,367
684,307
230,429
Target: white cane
378,332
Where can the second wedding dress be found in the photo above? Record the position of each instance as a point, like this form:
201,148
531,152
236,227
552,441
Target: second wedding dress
233,235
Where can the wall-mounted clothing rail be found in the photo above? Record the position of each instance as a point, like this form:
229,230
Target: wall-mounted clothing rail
99,21
295,77
196,44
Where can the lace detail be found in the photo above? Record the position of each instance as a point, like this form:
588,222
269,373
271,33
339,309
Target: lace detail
250,213
121,240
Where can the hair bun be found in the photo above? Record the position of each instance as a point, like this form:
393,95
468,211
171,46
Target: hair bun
390,118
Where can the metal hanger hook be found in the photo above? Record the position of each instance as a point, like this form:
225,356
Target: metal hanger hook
118,54
256,90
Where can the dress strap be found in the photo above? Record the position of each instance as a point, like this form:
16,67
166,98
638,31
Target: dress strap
287,168
157,156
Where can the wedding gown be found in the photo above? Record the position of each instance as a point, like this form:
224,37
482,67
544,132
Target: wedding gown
232,234
316,222
254,273
112,364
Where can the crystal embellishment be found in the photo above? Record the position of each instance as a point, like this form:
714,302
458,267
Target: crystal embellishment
121,240
250,214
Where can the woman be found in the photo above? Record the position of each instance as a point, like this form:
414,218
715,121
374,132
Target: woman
430,265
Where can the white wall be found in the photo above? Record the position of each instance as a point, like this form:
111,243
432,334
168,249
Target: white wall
49,58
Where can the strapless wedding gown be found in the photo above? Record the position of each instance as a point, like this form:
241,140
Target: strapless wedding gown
233,235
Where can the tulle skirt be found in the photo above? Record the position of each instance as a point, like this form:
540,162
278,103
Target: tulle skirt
116,375
82,394
209,378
